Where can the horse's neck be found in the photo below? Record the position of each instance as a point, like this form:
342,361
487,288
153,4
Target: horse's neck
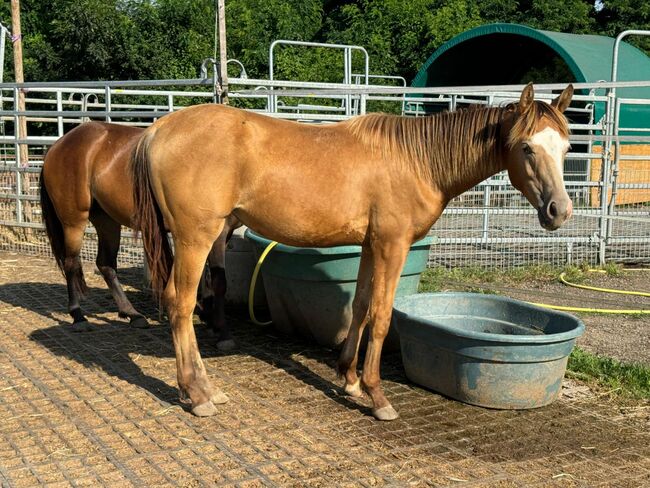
477,171
462,156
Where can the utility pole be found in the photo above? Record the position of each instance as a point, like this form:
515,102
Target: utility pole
223,55
16,38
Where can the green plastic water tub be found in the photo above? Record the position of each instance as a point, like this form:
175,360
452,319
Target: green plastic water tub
310,290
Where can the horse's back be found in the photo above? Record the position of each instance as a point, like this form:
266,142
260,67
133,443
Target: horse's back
74,151
301,177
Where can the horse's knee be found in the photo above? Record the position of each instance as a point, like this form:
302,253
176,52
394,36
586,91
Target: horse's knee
179,311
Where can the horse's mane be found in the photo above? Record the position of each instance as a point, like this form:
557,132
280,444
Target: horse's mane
444,144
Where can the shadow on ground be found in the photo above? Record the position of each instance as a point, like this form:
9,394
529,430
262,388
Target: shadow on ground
111,343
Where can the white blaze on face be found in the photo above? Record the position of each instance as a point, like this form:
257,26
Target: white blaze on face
550,141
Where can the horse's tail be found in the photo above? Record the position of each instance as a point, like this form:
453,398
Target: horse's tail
148,219
56,236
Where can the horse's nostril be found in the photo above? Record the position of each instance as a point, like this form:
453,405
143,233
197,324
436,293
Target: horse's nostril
552,209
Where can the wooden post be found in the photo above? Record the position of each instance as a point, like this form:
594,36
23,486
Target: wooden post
22,158
223,54
16,37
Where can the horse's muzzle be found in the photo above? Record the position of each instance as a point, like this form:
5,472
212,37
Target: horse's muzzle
553,213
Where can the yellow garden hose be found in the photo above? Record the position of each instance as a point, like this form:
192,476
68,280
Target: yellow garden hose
592,310
251,290
605,290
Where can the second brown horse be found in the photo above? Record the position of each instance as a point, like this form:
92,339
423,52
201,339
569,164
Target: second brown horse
85,178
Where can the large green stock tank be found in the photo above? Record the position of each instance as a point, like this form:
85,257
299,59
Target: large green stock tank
310,290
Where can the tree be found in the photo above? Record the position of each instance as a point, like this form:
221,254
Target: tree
571,16
253,24
155,39
400,36
616,16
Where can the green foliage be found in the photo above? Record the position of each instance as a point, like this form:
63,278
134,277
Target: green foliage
628,379
619,15
253,24
434,279
575,16
115,39
400,36
153,39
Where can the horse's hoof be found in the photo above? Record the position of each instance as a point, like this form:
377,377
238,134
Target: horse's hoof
354,390
82,326
139,323
226,345
206,409
219,398
385,413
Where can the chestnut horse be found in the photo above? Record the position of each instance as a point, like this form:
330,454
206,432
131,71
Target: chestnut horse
379,181
85,177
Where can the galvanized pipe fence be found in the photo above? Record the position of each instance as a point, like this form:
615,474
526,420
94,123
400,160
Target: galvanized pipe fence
607,174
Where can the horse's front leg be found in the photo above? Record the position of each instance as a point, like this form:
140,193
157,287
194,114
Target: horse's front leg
180,298
215,307
347,364
388,261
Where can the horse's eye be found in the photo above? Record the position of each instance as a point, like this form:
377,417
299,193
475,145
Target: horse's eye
528,149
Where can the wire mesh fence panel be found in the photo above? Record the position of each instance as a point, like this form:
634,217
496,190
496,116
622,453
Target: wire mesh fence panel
490,225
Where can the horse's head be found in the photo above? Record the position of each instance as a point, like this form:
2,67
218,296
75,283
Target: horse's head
537,142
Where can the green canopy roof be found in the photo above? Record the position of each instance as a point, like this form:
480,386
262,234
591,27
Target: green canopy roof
496,54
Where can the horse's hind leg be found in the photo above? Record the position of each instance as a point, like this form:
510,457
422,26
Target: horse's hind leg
180,298
73,271
108,237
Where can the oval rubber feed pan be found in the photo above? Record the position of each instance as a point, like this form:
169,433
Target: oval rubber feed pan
486,350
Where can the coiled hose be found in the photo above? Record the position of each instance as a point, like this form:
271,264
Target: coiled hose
604,290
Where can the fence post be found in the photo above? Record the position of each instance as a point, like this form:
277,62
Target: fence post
107,102
17,157
604,186
486,212
59,108
223,55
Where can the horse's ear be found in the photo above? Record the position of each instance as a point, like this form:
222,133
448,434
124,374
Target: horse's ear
527,98
562,102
